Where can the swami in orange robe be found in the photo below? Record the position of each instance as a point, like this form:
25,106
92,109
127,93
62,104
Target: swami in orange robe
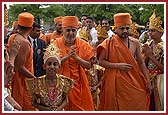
20,90
80,98
122,91
56,34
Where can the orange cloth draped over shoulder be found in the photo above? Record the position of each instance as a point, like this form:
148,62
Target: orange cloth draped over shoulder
122,91
51,36
19,89
80,98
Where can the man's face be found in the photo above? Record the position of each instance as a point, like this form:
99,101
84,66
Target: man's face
105,24
83,20
69,34
154,34
36,32
123,31
58,27
89,23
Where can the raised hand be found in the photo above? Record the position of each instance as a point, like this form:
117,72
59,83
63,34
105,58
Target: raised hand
73,51
147,50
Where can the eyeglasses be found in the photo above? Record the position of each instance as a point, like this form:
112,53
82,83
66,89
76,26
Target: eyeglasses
68,30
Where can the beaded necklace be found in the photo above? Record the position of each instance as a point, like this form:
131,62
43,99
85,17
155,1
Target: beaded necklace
51,97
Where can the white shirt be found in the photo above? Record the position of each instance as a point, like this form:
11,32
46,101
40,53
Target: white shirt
93,33
32,39
77,35
110,33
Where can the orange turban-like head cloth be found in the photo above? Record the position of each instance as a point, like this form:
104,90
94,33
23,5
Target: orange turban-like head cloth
58,19
25,19
70,21
122,19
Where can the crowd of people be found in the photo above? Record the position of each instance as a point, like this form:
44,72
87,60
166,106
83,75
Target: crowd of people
84,66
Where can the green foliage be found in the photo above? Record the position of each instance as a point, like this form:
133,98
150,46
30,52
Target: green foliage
47,12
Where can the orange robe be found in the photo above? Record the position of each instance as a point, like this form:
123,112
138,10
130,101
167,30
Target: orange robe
19,89
122,91
80,98
51,36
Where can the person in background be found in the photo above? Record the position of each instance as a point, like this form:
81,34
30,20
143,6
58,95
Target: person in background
14,30
42,33
92,32
83,21
94,75
106,25
144,36
38,49
101,34
133,30
79,25
57,33
84,34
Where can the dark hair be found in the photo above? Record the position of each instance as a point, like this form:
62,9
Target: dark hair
107,20
36,25
84,15
89,17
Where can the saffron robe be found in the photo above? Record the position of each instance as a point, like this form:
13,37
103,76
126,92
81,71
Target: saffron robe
80,98
19,89
51,37
122,91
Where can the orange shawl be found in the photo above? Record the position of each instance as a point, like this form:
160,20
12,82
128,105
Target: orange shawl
19,89
122,91
51,36
80,98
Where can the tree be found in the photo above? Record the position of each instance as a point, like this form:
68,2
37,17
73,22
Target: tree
47,12
44,12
